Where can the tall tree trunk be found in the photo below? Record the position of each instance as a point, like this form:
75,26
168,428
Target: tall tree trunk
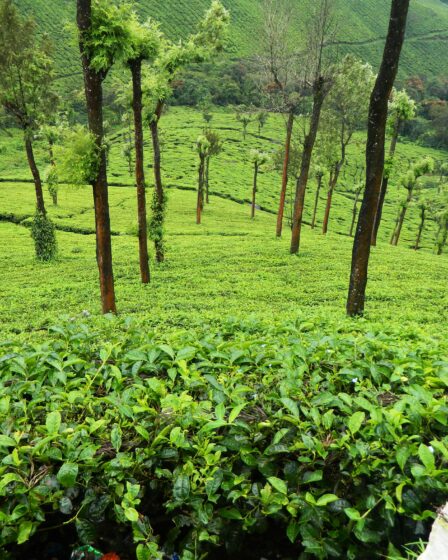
375,154
94,97
207,177
420,229
334,177
159,193
401,217
201,180
355,212
281,208
316,200
308,146
254,192
137,106
384,186
40,203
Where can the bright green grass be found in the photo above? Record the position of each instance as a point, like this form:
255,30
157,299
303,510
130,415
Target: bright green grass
360,21
229,266
231,172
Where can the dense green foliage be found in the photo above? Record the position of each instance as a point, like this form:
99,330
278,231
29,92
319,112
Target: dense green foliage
337,439
360,22
44,237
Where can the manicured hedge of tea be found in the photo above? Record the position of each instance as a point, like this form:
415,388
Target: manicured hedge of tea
198,440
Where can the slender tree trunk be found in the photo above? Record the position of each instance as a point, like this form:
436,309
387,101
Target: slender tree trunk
137,106
160,195
316,200
384,186
40,203
443,241
420,229
375,154
94,97
402,215
254,192
355,212
302,181
207,177
281,208
201,180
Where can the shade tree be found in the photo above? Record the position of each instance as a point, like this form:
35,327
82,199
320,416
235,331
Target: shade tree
402,108
26,68
317,81
258,160
103,35
158,85
202,149
375,155
345,113
410,182
280,81
214,150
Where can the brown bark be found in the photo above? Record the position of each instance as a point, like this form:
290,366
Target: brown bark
384,186
281,208
420,229
355,212
137,106
375,154
308,146
397,233
316,200
201,179
207,176
254,192
94,98
40,203
160,254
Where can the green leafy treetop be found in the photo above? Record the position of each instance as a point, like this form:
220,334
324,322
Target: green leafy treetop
259,158
209,40
108,39
402,108
26,68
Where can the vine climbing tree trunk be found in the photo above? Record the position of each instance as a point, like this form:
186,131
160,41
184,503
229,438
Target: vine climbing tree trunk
201,180
40,203
94,97
254,191
375,155
281,208
159,195
137,106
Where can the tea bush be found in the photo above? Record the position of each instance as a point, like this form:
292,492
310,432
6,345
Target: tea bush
196,440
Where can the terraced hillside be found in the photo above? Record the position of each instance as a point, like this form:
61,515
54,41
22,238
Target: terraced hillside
362,24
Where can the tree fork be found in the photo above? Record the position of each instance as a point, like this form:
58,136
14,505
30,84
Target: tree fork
375,156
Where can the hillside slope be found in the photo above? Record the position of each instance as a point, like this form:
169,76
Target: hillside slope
362,26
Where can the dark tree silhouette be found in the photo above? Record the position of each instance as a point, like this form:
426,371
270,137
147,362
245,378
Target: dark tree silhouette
375,155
